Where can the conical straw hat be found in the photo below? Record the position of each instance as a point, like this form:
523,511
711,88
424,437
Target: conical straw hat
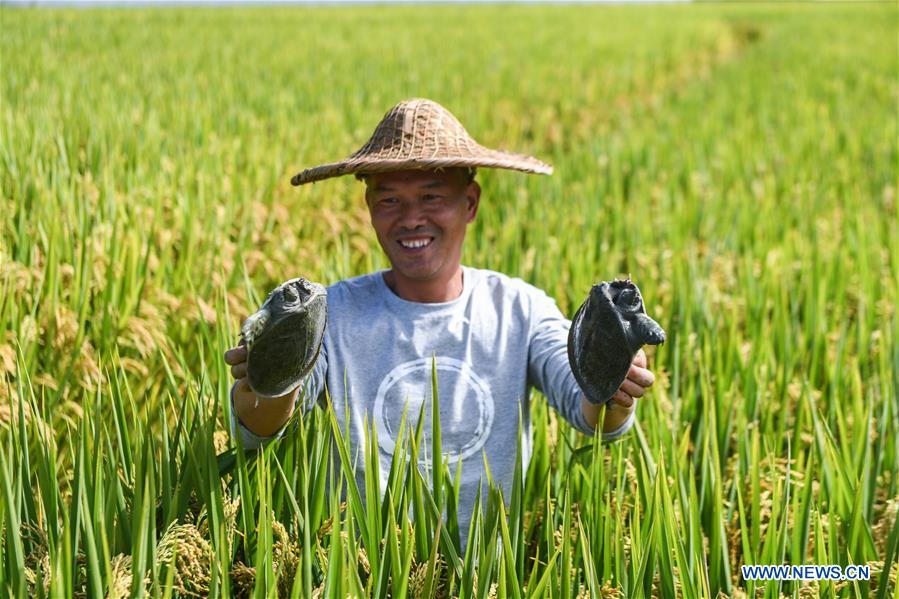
420,134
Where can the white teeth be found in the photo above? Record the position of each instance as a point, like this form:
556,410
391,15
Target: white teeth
418,243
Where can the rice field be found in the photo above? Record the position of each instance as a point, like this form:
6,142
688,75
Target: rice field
738,160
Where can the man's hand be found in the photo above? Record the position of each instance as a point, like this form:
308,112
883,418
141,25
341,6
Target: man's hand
237,358
638,380
263,417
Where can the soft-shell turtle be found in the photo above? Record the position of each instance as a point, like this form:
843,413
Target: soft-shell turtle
607,330
284,337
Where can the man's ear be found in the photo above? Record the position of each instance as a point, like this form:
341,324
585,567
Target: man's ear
473,199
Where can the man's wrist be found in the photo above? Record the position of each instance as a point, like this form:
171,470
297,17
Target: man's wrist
616,421
262,417
616,416
623,428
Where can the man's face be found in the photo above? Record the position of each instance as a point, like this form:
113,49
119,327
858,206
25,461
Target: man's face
420,219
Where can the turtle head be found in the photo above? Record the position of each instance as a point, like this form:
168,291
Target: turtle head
292,296
621,295
640,328
625,296
295,291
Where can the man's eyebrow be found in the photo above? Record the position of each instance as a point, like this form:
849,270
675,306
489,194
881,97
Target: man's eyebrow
436,183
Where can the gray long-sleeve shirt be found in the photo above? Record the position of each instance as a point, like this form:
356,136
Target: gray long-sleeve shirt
494,342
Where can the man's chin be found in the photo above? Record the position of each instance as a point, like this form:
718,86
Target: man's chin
417,276
421,273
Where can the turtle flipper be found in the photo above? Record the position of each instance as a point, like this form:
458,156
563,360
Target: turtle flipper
648,330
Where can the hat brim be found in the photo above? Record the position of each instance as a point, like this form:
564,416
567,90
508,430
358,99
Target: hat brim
487,159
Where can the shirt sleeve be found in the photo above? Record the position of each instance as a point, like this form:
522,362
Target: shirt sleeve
313,386
549,370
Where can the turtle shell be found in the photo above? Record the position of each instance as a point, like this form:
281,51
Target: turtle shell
606,333
284,337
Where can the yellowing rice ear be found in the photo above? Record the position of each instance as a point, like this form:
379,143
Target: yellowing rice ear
886,519
243,579
183,548
120,583
285,557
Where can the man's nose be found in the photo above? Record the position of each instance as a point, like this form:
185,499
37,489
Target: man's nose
411,215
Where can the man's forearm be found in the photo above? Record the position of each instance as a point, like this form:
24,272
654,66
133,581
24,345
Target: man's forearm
262,417
616,414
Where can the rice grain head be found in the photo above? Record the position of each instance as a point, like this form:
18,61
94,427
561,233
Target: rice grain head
184,548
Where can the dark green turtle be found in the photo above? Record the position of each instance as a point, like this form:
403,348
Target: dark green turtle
284,337
607,330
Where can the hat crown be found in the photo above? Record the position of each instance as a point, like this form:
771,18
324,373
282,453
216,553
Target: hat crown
417,127
420,134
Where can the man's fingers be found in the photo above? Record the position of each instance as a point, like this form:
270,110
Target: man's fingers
632,388
239,371
623,399
641,376
640,358
236,355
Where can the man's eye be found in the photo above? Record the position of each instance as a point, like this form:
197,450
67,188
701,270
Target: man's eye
388,201
430,197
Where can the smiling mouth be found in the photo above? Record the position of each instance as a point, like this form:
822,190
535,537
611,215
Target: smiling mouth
416,243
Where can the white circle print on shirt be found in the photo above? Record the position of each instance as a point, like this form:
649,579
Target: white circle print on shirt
466,406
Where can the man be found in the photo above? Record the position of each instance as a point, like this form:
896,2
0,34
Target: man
491,337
